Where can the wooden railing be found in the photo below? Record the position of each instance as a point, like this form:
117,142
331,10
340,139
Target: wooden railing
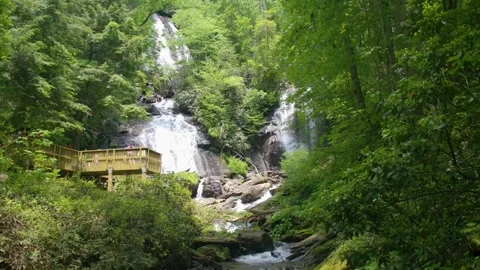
125,160
67,159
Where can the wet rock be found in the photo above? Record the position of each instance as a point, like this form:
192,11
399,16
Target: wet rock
255,241
202,262
239,178
151,109
255,192
213,187
227,204
273,149
216,252
202,140
230,185
209,163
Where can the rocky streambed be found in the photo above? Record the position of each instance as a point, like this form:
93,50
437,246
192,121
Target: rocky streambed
240,242
238,193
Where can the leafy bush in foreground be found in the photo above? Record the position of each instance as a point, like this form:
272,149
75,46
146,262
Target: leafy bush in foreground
56,223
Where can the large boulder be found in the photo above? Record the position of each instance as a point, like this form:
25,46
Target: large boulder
212,187
208,201
151,109
255,192
227,204
243,188
216,252
255,241
273,149
232,244
260,179
230,185
202,262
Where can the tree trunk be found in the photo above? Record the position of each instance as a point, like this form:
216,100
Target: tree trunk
357,87
386,15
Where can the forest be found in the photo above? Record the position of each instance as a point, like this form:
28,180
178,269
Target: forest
386,106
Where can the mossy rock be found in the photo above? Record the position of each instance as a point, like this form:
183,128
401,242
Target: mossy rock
216,252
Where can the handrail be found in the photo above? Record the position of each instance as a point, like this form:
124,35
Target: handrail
95,161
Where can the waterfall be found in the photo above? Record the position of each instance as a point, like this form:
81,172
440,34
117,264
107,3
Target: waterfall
280,124
240,207
268,258
167,56
170,133
280,138
178,140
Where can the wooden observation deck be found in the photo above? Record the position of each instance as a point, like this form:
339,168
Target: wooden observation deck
106,161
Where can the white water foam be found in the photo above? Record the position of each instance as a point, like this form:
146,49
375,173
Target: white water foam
239,206
281,252
280,123
200,189
164,53
170,135
167,56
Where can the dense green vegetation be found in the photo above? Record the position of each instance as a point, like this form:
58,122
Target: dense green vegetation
233,82
73,68
391,87
55,223
236,166
70,72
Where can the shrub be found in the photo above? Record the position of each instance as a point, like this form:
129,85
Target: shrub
71,223
236,166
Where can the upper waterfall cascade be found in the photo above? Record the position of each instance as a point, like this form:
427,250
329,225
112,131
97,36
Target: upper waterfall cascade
168,56
280,123
170,133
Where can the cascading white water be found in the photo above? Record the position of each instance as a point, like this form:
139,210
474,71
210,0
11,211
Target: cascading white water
280,123
169,133
167,56
172,136
230,227
200,189
278,255
240,207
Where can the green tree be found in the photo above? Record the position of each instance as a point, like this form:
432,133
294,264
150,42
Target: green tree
396,164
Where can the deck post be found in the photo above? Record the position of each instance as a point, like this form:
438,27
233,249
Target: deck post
110,179
144,172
